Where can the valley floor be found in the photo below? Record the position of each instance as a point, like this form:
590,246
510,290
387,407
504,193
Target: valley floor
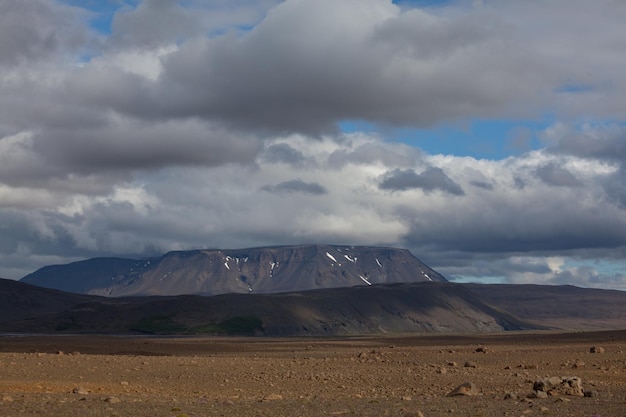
374,376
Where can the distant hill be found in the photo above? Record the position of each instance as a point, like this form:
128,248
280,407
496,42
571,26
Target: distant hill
20,301
419,307
564,306
424,307
255,270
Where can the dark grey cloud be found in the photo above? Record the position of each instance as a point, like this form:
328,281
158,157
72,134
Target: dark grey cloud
154,22
113,152
431,179
482,184
356,65
296,186
554,174
36,30
283,153
607,143
615,187
372,153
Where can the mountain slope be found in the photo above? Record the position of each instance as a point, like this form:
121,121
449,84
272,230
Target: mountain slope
20,301
419,307
564,307
255,270
426,307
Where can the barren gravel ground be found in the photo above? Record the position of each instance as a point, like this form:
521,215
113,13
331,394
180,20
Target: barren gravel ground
399,376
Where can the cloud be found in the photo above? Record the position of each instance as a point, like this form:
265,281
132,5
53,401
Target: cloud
607,142
296,186
215,129
283,153
556,175
37,30
154,22
431,179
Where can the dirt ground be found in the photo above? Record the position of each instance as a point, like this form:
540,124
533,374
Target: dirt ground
376,376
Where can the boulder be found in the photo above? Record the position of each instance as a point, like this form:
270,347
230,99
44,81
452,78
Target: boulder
554,386
465,389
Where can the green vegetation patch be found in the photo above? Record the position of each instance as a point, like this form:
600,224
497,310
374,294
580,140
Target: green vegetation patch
167,325
159,325
232,326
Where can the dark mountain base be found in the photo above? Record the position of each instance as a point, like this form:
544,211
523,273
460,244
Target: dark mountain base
443,308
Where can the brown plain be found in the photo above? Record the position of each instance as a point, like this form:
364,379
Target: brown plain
374,376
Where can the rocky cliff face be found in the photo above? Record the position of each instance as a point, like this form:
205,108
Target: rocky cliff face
256,270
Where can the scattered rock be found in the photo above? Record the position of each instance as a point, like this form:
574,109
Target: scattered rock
441,370
510,396
578,364
7,399
560,386
273,397
415,414
470,364
112,400
466,389
590,393
481,349
538,394
596,349
80,391
452,364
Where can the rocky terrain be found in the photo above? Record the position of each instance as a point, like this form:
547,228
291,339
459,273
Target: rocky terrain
521,374
256,270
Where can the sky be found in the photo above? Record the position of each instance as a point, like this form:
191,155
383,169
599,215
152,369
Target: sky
488,137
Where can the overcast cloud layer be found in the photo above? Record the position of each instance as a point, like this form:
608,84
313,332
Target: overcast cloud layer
216,124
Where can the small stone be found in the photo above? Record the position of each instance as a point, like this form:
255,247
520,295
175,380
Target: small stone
441,370
7,399
481,349
80,391
417,413
124,383
273,397
452,364
596,349
590,393
510,396
112,400
465,389
538,394
470,364
407,398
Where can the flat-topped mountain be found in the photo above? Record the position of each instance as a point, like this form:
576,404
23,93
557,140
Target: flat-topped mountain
254,270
